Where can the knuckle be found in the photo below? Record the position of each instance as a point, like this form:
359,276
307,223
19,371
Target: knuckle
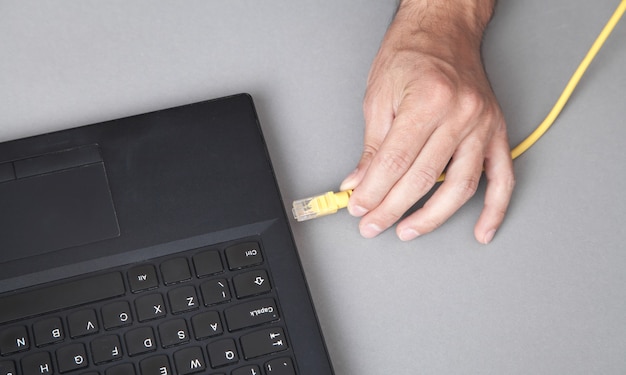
442,90
368,104
368,152
505,181
389,217
509,182
396,162
467,187
424,178
373,95
471,103
504,187
429,225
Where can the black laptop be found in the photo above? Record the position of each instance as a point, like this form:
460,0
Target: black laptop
156,244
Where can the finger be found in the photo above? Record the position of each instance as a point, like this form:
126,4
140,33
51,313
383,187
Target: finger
500,184
355,177
379,115
396,155
417,181
462,178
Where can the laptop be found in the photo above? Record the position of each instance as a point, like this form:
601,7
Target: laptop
156,244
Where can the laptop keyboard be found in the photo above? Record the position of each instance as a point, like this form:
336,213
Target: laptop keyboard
210,311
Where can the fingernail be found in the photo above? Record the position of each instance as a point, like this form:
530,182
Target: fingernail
370,230
357,211
489,236
408,234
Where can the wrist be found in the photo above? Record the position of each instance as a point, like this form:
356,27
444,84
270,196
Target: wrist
453,22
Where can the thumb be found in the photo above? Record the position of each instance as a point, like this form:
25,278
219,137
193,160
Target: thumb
355,177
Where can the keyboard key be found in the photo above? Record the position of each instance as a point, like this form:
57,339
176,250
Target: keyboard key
183,299
175,271
244,255
13,340
140,340
37,364
123,369
142,345
82,323
7,368
173,332
116,314
267,341
251,283
207,263
71,357
61,296
150,307
156,365
222,353
142,277
106,349
189,361
48,331
215,291
247,370
280,366
251,313
206,324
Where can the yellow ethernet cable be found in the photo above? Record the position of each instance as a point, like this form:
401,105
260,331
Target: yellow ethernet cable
329,203
571,85
321,205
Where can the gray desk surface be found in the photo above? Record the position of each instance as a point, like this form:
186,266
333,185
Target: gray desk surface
548,296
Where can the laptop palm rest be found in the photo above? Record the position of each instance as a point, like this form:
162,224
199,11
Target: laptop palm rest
55,201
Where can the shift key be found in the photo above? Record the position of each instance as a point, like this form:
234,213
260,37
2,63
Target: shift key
251,313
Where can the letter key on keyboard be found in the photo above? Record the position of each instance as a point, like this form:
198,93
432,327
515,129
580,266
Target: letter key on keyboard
208,309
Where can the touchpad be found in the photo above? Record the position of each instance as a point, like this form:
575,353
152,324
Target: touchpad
55,201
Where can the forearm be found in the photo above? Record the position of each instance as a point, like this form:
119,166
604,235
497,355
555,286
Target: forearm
458,19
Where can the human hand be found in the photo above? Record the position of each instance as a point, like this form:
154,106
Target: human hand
429,107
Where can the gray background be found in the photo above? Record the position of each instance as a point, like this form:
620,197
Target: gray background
548,296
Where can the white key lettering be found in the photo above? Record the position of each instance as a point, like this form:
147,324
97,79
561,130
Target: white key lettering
195,363
44,369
